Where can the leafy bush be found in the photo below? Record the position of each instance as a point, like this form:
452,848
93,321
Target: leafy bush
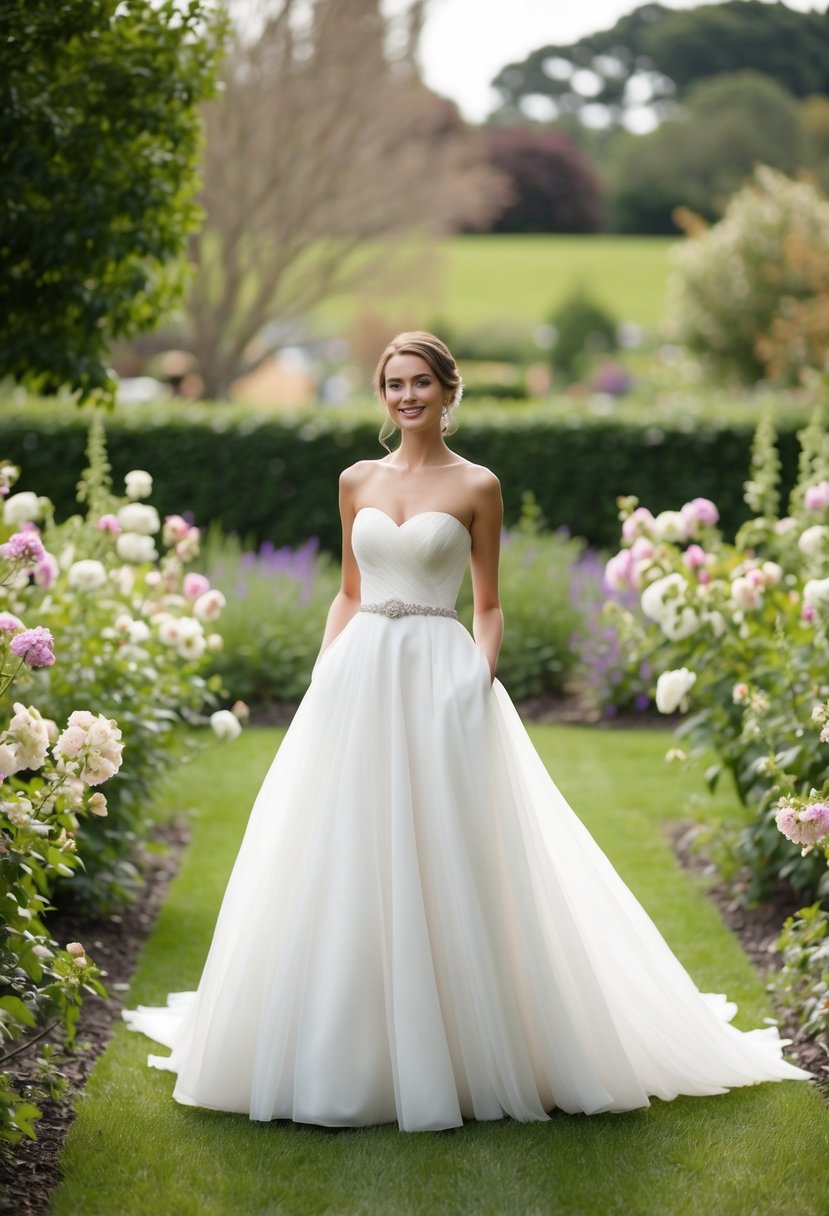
802,983
274,477
750,295
741,632
583,330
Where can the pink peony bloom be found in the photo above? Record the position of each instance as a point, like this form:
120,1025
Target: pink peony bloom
637,524
36,647
699,512
24,547
694,556
47,571
816,497
9,623
109,523
195,585
617,572
806,826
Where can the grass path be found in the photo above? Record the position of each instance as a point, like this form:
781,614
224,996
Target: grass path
761,1150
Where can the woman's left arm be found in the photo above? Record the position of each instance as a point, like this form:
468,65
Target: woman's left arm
488,619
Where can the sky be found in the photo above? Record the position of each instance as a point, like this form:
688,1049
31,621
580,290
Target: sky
467,42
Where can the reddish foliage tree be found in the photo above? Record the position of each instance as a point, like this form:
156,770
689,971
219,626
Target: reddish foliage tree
554,186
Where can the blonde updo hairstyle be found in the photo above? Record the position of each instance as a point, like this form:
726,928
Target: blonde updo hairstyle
442,363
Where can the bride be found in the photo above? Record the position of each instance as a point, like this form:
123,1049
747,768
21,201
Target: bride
418,928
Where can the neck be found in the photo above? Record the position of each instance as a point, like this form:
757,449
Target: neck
420,451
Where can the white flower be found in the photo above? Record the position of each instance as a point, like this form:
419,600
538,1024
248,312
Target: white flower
170,631
97,805
139,517
664,601
225,724
672,688
87,575
816,593
192,647
772,572
17,810
139,484
9,760
812,540
746,594
124,579
132,547
29,735
215,642
21,508
93,742
716,621
209,606
669,526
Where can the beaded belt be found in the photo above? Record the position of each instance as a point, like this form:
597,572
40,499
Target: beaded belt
393,608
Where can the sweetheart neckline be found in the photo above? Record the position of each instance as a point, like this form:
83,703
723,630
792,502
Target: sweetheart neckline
417,515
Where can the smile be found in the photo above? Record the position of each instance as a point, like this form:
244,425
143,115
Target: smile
411,410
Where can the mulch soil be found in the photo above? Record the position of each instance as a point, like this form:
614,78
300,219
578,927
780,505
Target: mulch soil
30,1173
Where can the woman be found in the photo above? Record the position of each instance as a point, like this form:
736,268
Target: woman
418,928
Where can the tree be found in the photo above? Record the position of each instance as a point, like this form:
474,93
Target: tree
554,186
99,148
320,153
750,294
655,55
732,124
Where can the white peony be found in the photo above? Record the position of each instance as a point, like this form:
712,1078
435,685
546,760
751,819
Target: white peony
139,517
21,508
664,601
209,606
9,759
192,647
225,724
132,547
746,594
672,688
93,742
87,575
669,526
816,593
812,541
139,484
29,736
170,631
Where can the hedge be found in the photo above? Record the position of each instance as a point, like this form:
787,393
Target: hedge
274,477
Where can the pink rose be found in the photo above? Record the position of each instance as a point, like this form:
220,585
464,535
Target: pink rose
694,556
699,512
637,524
816,497
109,523
195,585
618,570
36,647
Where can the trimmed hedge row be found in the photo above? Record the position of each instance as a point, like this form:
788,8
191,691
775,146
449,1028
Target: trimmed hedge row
275,478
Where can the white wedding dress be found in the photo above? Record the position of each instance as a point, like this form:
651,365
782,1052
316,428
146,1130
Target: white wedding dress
418,928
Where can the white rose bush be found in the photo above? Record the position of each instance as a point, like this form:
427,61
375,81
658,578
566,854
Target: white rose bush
101,651
740,634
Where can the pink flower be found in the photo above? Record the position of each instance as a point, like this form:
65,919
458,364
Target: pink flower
618,570
24,547
109,523
46,571
637,524
9,623
699,512
806,826
175,529
739,693
36,647
808,613
816,497
75,949
694,556
195,585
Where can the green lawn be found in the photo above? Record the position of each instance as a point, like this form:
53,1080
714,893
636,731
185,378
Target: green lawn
469,280
760,1150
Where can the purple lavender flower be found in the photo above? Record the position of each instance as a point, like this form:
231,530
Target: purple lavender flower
24,546
36,647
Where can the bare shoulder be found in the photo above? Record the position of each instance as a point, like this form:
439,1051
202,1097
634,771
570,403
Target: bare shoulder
357,474
483,484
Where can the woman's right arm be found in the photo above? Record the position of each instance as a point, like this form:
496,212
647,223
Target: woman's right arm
346,602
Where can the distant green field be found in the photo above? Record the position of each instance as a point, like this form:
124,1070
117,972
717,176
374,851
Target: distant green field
470,280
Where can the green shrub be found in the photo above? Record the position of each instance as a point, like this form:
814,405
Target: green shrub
583,330
274,477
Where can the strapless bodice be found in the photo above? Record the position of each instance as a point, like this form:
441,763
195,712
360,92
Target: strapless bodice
421,561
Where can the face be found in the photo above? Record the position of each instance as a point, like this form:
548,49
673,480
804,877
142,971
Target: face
414,395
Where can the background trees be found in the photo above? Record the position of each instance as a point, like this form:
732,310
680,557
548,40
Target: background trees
321,150
99,146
